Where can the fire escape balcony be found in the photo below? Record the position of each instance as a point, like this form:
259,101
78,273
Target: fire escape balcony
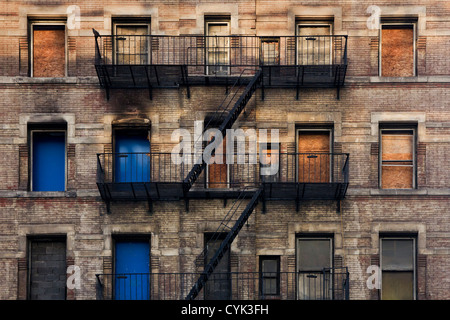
327,284
161,176
158,61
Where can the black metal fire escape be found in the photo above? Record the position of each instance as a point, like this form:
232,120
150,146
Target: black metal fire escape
198,169
290,75
226,243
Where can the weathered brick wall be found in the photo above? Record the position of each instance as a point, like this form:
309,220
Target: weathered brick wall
177,235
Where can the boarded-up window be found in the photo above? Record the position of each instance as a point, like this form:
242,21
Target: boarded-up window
314,156
314,44
398,268
48,165
397,159
270,51
49,51
218,47
47,274
132,44
218,168
397,51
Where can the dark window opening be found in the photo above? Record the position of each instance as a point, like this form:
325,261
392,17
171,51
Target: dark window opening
218,286
269,267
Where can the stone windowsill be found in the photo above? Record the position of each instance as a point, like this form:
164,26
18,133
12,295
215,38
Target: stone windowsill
38,80
398,192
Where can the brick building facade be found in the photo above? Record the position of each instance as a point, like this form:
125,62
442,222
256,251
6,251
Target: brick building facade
368,114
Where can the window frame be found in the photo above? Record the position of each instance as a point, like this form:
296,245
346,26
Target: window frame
31,160
217,239
37,238
49,23
405,128
318,128
130,22
263,53
313,23
327,237
299,238
380,50
227,184
217,21
128,129
414,256
277,277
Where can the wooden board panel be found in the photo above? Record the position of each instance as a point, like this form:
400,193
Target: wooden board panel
314,158
397,177
134,48
397,160
397,52
270,52
49,58
397,147
218,172
313,49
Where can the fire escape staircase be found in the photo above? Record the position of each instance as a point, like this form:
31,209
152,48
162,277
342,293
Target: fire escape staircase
226,243
196,171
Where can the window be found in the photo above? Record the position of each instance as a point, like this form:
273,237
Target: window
47,273
270,163
132,155
269,267
314,42
270,51
218,286
48,49
132,268
218,46
131,41
48,158
397,161
314,155
313,255
397,49
398,268
217,171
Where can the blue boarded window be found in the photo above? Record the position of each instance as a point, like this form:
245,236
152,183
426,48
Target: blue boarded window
48,161
132,267
132,156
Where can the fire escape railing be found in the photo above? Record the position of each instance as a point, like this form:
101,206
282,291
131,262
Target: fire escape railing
148,61
212,51
327,284
243,171
163,176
